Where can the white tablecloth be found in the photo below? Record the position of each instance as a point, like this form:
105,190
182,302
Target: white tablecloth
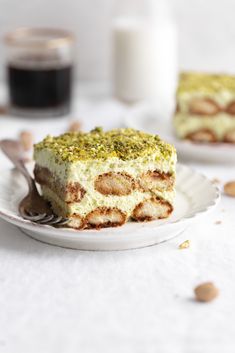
58,300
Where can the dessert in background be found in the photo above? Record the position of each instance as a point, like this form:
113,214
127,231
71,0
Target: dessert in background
103,179
205,107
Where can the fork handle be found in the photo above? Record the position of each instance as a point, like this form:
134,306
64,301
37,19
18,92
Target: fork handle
13,150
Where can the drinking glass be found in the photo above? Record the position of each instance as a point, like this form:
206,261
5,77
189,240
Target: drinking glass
39,65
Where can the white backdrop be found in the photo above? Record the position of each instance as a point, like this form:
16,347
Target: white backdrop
206,30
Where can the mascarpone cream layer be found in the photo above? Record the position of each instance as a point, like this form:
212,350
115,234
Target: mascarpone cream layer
219,124
86,171
222,98
94,199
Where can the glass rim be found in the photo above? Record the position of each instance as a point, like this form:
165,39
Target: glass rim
53,37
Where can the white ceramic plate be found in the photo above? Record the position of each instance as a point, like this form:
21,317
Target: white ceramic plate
195,196
141,118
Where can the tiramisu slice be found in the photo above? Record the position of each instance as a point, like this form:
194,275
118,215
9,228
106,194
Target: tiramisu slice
205,108
103,179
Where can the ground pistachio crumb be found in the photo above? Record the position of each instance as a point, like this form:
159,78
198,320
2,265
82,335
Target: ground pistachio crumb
184,245
206,83
125,144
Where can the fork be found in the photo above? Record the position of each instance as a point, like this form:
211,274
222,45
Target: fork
32,207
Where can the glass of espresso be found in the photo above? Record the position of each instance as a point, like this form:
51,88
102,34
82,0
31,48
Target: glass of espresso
39,71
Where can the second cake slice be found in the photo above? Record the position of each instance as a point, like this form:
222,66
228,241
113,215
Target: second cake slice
205,108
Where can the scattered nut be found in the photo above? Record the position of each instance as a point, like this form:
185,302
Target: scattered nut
206,292
3,109
229,188
218,222
26,140
75,126
184,245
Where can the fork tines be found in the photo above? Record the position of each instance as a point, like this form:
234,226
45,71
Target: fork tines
45,219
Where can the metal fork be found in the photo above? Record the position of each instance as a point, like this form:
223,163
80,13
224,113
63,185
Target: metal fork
33,207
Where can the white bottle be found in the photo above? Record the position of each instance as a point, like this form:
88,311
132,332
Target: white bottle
145,53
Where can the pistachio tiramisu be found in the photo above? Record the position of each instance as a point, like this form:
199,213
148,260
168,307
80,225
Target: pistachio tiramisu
103,179
205,107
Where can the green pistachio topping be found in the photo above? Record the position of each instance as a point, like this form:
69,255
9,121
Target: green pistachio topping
205,83
124,144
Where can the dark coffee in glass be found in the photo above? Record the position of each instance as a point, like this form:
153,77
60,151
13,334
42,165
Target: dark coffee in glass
47,88
40,76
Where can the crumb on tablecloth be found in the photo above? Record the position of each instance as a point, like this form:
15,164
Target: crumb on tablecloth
184,245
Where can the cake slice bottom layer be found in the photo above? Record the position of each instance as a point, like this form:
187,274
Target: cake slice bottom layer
148,206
